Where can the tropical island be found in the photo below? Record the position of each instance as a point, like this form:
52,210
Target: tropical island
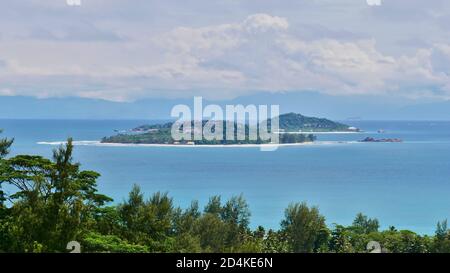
293,128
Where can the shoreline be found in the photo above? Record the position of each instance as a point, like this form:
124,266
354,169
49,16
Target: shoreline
99,144
324,133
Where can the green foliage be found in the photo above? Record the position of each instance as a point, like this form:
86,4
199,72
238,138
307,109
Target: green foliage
442,238
275,242
341,240
296,138
295,122
210,229
94,242
364,225
404,241
147,222
53,201
305,228
223,228
349,240
5,144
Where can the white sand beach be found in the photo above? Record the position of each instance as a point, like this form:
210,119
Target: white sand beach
98,143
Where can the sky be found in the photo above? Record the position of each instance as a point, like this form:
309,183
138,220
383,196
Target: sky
121,50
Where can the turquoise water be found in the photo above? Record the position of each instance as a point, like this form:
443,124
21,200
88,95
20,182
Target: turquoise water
402,184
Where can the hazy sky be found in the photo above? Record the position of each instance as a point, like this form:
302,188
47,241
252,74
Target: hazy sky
124,50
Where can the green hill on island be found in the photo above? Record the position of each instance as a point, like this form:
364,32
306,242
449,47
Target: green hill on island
288,124
293,122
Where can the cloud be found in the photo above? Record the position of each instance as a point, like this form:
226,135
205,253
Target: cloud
264,22
7,92
173,50
359,68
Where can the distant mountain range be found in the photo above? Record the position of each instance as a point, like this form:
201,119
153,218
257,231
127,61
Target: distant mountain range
307,103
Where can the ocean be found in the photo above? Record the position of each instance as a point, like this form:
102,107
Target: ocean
406,185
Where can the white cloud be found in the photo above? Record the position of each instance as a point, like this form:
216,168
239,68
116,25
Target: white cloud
358,66
259,51
264,22
7,92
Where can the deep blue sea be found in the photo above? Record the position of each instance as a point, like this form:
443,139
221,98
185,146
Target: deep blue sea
406,185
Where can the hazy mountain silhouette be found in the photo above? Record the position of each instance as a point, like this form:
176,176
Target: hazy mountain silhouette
307,103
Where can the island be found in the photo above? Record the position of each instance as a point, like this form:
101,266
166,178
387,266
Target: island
293,128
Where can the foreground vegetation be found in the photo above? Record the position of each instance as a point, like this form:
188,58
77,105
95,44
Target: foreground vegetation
48,203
